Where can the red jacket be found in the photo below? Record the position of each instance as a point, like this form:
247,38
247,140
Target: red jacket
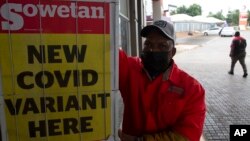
235,48
172,101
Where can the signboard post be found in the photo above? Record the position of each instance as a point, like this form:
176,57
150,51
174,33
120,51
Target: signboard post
243,18
57,67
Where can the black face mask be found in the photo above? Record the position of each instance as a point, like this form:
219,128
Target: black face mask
155,62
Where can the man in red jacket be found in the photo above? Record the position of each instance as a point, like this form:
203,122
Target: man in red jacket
238,53
161,101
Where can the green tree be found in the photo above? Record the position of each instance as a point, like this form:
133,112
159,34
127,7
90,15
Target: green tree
233,17
181,10
248,17
192,10
218,15
210,14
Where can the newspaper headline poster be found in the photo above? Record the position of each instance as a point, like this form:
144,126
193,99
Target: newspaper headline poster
55,70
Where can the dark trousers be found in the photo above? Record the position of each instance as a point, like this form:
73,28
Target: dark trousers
241,58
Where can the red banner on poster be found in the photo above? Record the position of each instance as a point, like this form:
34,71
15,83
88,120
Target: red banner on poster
28,16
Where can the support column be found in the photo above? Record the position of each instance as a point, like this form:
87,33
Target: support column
157,9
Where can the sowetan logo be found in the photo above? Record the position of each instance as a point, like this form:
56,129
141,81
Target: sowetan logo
14,13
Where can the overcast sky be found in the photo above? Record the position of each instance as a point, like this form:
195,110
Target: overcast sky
213,6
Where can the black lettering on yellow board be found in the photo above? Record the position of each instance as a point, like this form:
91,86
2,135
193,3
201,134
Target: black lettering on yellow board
60,126
52,52
55,127
88,78
26,106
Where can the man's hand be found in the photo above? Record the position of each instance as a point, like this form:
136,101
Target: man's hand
125,137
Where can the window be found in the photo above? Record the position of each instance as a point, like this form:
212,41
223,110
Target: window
124,7
124,34
124,26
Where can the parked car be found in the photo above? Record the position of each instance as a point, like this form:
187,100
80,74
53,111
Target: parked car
212,31
227,31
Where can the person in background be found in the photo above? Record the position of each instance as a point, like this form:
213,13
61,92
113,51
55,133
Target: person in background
161,101
238,53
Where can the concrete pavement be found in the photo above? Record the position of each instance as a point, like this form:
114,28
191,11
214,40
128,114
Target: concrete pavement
183,47
186,42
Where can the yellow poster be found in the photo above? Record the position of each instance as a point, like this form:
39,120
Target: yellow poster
55,70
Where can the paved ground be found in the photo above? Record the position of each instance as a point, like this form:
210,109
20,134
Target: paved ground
186,42
227,97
